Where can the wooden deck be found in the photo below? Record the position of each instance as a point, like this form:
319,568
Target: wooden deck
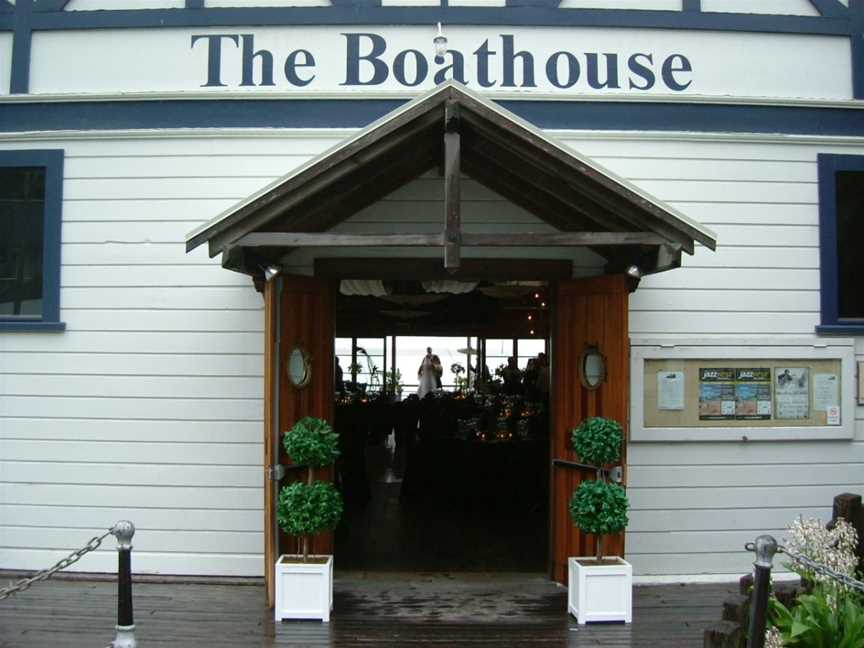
370,610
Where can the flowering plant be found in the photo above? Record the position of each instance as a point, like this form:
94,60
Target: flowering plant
832,615
834,548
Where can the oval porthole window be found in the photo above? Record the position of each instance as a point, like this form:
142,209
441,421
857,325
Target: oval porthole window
593,366
299,369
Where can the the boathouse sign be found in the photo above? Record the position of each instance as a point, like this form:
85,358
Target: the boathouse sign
530,61
369,61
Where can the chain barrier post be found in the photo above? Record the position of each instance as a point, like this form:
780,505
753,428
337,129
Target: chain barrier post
123,531
765,548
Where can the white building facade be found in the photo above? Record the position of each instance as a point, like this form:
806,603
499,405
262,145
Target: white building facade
131,377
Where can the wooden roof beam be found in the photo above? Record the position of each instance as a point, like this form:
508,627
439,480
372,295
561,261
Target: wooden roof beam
504,239
361,189
452,187
300,188
599,188
588,214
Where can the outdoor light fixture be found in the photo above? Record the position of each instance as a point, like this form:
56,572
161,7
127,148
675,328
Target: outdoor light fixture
270,272
440,42
634,272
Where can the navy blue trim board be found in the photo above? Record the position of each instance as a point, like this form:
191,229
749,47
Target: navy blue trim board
829,165
52,161
357,113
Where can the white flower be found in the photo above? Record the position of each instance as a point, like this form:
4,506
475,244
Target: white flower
833,548
773,639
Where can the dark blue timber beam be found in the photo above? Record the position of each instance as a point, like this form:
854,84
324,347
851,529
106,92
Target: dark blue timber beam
357,113
22,41
856,11
521,15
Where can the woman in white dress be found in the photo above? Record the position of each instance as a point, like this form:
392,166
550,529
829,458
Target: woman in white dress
429,374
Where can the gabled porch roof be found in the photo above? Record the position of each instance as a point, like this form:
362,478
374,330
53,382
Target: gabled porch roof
459,132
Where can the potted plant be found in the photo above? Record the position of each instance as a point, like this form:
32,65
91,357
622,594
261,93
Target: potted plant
600,587
304,582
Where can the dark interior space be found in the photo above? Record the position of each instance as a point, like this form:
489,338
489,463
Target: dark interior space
456,480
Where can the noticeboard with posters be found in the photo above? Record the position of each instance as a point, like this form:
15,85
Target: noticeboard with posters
692,395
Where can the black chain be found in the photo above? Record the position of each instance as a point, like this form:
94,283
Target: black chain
45,574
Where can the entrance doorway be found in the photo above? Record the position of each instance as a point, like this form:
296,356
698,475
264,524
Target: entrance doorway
450,474
551,209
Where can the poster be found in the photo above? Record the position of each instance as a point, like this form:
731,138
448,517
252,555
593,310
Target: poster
792,392
826,391
670,390
753,394
716,394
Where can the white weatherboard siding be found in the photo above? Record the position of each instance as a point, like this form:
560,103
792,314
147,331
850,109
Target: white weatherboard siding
694,505
5,55
149,406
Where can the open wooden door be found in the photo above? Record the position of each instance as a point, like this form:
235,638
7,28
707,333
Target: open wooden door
586,312
298,313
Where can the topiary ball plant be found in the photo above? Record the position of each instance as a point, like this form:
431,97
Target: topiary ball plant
598,441
310,507
306,509
599,507
312,442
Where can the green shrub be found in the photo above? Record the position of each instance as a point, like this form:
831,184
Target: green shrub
599,508
312,442
598,441
823,619
306,509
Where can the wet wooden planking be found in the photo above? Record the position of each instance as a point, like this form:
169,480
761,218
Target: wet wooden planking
370,610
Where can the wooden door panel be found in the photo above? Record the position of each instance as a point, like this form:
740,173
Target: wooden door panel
301,309
587,312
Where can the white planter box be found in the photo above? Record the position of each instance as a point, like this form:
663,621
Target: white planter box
600,592
304,590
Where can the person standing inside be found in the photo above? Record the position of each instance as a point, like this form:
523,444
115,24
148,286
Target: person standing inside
429,374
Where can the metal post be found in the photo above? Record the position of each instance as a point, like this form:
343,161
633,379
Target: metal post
123,531
765,548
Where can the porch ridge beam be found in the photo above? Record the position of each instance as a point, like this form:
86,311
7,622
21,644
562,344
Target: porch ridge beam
452,187
502,239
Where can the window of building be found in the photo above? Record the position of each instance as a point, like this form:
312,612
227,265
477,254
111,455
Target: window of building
841,230
31,195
